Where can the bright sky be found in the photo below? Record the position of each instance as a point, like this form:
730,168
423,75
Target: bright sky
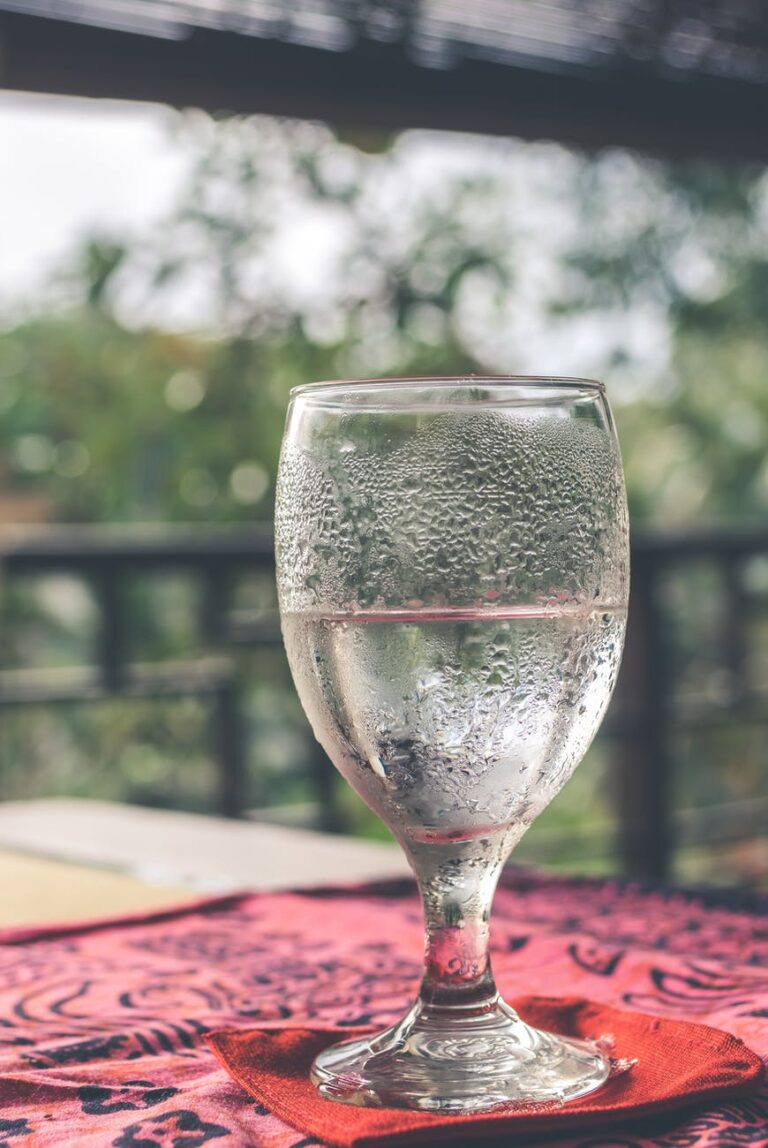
80,167
72,167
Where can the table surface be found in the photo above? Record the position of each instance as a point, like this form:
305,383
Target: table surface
63,859
76,860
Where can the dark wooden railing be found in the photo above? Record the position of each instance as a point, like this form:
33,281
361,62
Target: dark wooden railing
105,560
647,714
650,709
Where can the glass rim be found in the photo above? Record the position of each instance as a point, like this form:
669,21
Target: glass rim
335,387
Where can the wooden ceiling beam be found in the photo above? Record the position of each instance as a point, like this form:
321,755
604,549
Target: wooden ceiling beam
376,86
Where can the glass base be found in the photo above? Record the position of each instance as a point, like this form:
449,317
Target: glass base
438,1062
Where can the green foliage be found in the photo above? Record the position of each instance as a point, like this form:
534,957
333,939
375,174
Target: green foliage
118,425
110,417
114,421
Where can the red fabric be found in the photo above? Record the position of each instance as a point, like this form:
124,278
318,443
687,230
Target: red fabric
678,1065
102,1026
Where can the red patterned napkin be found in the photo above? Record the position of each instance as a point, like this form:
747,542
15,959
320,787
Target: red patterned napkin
679,1064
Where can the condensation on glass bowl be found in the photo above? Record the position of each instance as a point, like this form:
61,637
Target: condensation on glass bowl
453,510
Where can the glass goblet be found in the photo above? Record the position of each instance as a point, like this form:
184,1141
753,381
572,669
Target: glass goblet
452,562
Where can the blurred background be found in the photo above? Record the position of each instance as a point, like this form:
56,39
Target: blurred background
204,204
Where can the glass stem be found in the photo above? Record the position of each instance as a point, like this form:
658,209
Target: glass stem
457,881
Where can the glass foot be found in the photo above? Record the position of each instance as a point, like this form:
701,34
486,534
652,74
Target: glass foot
461,1064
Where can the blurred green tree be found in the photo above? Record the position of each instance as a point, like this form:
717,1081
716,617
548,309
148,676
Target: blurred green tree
116,416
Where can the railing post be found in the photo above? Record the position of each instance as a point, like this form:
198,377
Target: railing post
216,600
229,749
111,648
323,779
735,628
642,765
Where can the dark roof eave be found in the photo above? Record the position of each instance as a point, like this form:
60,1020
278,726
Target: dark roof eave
376,86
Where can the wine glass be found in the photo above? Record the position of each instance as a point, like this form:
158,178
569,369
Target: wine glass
452,562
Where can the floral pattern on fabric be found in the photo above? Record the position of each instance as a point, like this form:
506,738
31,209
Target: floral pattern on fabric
101,1027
